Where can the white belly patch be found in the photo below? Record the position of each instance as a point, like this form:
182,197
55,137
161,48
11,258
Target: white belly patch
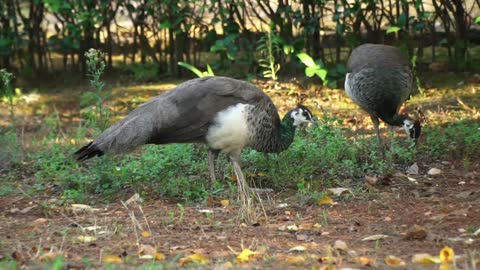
229,132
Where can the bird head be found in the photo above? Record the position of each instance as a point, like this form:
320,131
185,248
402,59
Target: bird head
302,114
412,127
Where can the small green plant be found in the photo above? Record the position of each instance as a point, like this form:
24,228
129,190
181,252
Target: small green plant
98,116
197,71
313,67
269,46
6,78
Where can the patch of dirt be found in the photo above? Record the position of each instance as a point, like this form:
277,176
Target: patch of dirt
420,216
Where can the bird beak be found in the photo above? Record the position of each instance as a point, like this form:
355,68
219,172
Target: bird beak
314,121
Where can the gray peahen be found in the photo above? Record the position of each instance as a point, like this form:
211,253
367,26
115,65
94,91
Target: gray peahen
379,79
225,114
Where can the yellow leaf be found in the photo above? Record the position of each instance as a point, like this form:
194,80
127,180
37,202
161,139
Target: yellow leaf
112,259
295,260
445,266
328,267
86,238
194,258
159,256
292,228
225,203
325,200
424,258
447,254
261,174
394,261
365,261
146,234
245,255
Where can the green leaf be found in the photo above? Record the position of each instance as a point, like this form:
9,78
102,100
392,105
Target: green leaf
477,20
210,71
288,49
322,73
310,71
192,69
393,29
307,60
165,25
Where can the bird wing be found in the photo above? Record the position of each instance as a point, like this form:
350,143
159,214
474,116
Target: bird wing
375,55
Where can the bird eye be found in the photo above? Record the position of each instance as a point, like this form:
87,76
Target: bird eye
305,114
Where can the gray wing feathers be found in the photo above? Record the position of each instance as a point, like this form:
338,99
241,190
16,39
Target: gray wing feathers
375,55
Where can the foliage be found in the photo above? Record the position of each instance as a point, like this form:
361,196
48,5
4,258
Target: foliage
6,78
329,76
141,72
269,46
199,73
98,116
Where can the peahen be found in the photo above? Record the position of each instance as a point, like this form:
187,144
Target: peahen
226,114
379,79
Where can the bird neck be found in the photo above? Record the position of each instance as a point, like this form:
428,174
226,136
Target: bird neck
286,132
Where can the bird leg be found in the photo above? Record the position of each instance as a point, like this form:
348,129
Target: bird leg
391,135
376,123
212,156
244,191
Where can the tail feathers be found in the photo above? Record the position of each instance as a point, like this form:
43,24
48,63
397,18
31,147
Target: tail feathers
88,151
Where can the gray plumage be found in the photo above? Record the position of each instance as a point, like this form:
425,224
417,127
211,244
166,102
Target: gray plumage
224,113
379,79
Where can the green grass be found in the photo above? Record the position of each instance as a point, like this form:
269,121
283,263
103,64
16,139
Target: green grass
320,157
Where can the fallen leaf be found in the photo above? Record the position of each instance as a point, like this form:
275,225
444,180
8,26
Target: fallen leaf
295,259
424,258
340,191
465,194
134,198
297,249
91,228
446,254
372,180
77,206
245,255
416,233
292,228
394,261
301,237
445,266
49,256
413,169
282,205
194,258
375,237
434,171
146,234
206,211
340,245
39,221
413,180
112,259
317,225
146,252
86,238
328,267
225,203
305,226
363,260
27,209
325,200
159,257
477,232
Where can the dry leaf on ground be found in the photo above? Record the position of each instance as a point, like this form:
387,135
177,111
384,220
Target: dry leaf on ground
225,203
375,237
86,238
194,258
112,259
39,221
363,260
340,245
295,259
297,249
146,252
325,200
394,261
340,191
446,254
424,258
245,255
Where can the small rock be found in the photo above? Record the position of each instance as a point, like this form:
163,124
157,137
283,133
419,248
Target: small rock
301,237
434,171
340,245
413,169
